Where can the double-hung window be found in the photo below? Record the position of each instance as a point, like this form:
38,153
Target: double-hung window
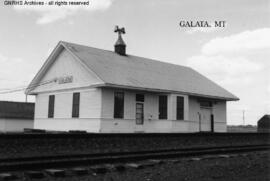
76,105
51,106
163,106
139,109
180,108
119,105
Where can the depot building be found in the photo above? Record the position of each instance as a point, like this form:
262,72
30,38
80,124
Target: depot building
85,88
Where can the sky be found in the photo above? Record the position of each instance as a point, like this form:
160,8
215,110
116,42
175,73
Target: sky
235,57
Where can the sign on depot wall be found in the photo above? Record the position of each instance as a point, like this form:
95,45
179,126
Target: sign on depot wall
66,79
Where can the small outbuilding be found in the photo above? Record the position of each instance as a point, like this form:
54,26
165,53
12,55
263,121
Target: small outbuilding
263,125
15,116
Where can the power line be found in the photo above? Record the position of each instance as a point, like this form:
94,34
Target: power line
22,88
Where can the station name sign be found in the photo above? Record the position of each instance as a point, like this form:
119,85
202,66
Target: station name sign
64,80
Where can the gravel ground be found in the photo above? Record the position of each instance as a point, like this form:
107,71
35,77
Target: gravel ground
253,166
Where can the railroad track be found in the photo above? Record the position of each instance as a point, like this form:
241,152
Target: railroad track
57,161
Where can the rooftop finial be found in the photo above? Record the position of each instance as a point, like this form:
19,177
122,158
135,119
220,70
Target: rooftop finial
119,30
120,46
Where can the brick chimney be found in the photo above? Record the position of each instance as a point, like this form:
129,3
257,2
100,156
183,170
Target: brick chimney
120,46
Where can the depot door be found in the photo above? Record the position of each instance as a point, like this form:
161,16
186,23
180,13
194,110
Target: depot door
205,119
139,118
139,113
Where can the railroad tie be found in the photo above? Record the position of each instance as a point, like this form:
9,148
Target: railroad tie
174,160
156,161
119,167
116,167
99,169
224,156
134,165
148,164
195,159
208,157
7,176
56,172
79,171
34,174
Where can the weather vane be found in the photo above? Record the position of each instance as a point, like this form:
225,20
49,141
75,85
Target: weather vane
119,30
120,46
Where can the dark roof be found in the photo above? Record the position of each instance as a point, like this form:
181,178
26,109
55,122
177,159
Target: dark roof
17,110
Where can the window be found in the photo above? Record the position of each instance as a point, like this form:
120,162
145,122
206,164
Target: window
212,123
76,105
118,105
180,108
51,106
139,97
139,113
162,107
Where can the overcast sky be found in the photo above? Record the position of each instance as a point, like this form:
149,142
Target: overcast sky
236,57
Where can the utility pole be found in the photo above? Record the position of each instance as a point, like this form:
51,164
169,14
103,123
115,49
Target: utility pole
25,97
244,117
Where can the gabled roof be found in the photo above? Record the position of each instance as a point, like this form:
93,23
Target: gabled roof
265,117
144,74
17,110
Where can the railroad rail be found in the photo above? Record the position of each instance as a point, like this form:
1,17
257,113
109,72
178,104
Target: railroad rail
57,161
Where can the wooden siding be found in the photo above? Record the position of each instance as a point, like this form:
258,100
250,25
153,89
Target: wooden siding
89,116
151,121
65,65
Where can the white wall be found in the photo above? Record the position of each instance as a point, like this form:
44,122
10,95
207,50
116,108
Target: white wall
90,99
89,115
151,121
66,65
218,110
15,124
97,108
128,124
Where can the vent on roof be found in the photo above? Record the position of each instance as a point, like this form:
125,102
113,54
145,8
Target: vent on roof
120,46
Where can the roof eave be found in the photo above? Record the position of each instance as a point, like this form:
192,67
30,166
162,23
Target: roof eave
109,85
56,51
59,47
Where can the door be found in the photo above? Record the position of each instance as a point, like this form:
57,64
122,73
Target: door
139,113
205,119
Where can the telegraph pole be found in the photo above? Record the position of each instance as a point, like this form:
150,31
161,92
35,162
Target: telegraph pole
244,117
